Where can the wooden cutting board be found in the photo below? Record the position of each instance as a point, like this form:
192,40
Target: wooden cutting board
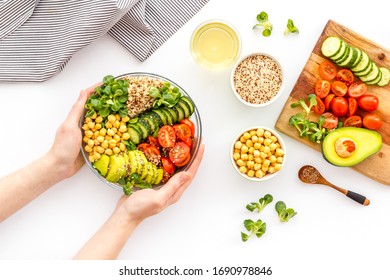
376,166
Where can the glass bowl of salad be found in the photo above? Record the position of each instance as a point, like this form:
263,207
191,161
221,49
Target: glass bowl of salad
139,129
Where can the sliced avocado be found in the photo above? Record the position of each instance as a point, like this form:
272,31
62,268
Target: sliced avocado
102,164
133,161
158,178
117,168
347,146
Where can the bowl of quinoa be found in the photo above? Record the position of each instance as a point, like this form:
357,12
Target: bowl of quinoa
257,79
258,153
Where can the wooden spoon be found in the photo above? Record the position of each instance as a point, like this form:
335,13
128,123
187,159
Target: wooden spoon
310,175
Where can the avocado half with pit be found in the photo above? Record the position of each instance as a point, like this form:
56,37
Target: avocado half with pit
347,146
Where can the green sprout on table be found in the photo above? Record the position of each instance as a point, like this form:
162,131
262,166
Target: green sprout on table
262,18
284,213
264,201
290,28
255,228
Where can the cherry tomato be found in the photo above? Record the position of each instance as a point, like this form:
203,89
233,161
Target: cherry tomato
339,106
327,70
188,142
320,107
183,131
355,121
151,152
331,120
167,136
328,100
346,76
165,177
372,121
357,89
190,124
168,165
322,88
368,102
352,106
179,153
339,88
153,141
187,160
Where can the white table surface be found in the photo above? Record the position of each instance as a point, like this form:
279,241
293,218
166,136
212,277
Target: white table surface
331,235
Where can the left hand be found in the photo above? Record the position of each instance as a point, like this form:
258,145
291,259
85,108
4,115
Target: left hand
67,144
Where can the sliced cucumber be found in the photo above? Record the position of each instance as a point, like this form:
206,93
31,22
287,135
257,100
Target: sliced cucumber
351,57
168,114
344,56
355,62
385,78
372,75
174,113
375,81
162,115
144,127
135,134
363,64
331,46
180,112
341,52
185,107
190,104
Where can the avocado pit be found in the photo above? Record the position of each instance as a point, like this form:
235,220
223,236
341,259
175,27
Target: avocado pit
345,147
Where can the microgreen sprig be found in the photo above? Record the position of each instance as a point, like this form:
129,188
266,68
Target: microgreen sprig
284,213
257,228
290,28
259,206
262,18
110,97
166,95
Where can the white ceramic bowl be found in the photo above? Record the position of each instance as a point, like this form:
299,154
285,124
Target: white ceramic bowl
257,153
257,79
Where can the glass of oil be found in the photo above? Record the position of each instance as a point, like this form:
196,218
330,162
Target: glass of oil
215,44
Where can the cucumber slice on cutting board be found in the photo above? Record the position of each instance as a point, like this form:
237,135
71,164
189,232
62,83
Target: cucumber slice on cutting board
357,60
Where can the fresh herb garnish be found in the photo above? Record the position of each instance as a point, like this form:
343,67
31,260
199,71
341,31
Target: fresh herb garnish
307,128
290,28
262,18
110,97
166,95
264,201
284,213
134,180
255,228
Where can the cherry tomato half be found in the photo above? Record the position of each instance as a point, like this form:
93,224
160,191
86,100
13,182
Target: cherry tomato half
339,88
355,121
322,88
168,165
357,89
368,102
352,106
327,70
346,76
320,107
372,121
183,131
190,124
167,136
187,160
331,120
328,100
339,106
179,153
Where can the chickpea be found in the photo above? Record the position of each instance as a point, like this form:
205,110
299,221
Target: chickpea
100,138
122,147
99,119
244,149
251,157
258,160
91,143
257,166
100,150
254,138
88,120
278,166
103,131
259,174
238,145
244,157
249,143
105,144
271,169
240,162
88,149
260,132
123,128
257,146
117,117
279,152
88,133
250,164
125,119
274,139
267,141
85,139
243,169
126,136
251,150
98,126
251,173
117,138
246,136
272,146
108,125
110,132
111,118
267,134
116,150
279,159
108,152
112,143
116,124
91,124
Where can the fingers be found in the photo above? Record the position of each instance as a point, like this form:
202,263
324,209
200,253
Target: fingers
176,186
77,109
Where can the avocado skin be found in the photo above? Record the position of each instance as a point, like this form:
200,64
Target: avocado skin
368,142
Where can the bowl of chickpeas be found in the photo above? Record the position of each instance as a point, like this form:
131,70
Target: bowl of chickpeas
258,153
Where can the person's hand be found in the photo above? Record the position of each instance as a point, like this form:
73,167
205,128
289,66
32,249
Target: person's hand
148,202
67,144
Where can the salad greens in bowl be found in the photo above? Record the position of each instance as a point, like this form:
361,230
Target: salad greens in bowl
139,129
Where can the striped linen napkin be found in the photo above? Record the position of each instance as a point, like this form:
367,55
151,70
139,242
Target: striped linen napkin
38,37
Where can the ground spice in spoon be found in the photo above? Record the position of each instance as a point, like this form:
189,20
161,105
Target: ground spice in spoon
310,174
